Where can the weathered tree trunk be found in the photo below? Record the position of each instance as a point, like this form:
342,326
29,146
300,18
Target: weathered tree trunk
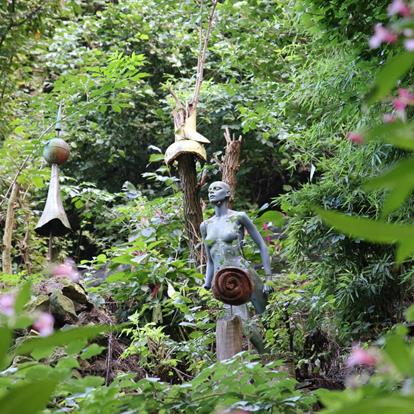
229,335
230,164
8,230
192,206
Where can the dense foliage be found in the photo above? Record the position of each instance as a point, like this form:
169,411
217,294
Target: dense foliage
294,78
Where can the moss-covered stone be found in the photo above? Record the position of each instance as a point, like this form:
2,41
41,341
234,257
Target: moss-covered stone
40,303
62,308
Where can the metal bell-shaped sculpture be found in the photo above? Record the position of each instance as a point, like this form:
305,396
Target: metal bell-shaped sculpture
54,221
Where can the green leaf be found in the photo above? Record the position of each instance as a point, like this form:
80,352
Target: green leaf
23,297
273,216
399,134
156,157
37,181
5,342
61,338
393,70
68,362
28,398
398,353
76,346
374,231
91,351
399,180
409,314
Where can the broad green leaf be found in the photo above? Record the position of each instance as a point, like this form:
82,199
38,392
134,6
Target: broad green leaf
5,342
68,362
409,314
61,338
399,134
28,398
393,70
38,372
37,181
374,231
392,404
76,346
399,180
41,353
274,217
91,351
23,297
398,353
156,157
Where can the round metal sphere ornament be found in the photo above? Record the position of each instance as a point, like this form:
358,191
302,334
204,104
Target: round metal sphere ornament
233,286
56,151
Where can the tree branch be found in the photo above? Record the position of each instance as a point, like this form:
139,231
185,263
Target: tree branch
202,58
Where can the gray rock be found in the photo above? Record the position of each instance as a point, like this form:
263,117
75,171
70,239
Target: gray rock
62,308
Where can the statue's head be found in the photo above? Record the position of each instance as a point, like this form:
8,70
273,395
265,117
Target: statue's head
218,192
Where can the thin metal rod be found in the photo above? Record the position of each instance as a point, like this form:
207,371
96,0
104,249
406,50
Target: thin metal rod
50,251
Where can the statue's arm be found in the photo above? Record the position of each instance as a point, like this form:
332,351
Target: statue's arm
210,264
258,239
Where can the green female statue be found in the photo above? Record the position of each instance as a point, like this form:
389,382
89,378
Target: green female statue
223,236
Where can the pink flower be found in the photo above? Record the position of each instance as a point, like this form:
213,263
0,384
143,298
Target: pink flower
66,269
360,356
268,239
405,97
265,226
355,137
409,45
399,7
399,105
138,253
381,35
44,324
389,118
7,304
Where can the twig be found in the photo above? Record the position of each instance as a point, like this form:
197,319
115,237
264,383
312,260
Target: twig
202,180
108,359
202,58
178,103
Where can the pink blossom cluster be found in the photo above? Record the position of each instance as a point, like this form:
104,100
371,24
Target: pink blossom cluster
266,228
66,269
7,304
355,137
361,357
386,35
44,323
405,98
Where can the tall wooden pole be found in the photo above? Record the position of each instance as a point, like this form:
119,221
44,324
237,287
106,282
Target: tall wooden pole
8,230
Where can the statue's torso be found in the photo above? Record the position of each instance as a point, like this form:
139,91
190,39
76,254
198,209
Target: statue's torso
224,236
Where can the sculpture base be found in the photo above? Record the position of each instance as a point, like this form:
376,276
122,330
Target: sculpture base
229,335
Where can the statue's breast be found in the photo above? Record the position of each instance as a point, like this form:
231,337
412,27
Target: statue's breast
226,229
